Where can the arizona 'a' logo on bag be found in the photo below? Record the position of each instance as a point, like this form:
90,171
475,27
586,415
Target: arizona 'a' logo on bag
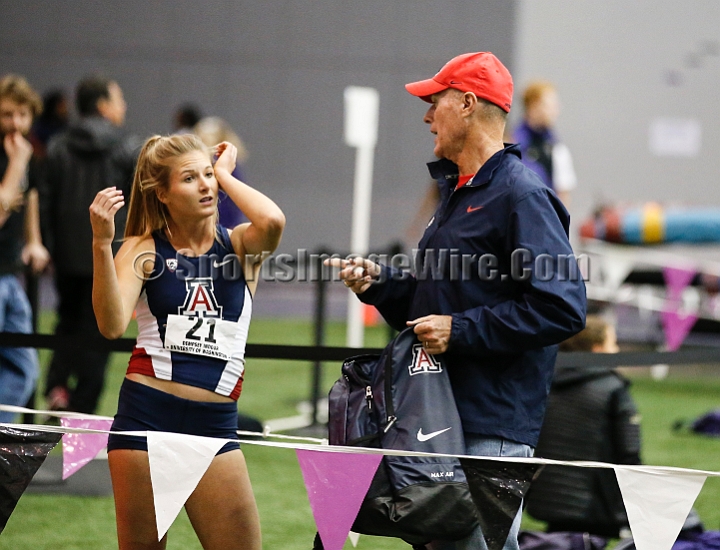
423,362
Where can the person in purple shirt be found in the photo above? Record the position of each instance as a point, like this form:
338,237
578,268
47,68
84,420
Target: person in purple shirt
541,149
212,130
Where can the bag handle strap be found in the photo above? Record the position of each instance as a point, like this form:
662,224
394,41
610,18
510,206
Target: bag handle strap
389,405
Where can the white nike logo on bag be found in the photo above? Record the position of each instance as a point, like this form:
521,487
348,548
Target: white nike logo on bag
424,437
226,261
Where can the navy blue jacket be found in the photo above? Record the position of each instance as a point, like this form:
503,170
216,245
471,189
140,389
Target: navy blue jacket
496,257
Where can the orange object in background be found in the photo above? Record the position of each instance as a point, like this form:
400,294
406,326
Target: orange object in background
371,316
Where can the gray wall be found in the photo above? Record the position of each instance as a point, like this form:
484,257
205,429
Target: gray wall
276,70
618,65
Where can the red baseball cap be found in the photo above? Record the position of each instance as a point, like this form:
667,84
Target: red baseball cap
478,72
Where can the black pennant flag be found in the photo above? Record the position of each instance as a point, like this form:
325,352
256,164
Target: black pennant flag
497,489
22,452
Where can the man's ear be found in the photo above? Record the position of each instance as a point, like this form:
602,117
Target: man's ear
469,102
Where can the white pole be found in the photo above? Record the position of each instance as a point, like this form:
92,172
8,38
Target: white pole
361,121
362,194
360,238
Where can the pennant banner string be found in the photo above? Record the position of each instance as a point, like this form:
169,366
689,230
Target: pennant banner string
678,271
662,470
85,416
59,414
641,298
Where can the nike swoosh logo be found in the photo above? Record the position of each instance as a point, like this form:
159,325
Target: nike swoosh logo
424,437
474,208
225,261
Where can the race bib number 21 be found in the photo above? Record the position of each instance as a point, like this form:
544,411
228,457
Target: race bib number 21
206,336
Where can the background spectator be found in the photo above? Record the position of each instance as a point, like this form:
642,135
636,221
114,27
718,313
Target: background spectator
20,241
92,154
213,130
590,416
186,116
53,119
539,144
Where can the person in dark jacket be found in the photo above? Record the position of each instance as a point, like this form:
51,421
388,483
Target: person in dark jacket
591,415
495,286
53,120
92,154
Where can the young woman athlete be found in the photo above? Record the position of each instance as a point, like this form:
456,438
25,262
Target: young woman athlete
191,283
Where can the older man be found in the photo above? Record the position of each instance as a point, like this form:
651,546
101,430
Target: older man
495,285
20,241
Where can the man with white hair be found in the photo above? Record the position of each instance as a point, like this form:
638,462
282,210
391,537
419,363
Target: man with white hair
495,286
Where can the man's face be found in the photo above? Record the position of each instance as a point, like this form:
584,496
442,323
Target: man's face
15,117
114,107
447,123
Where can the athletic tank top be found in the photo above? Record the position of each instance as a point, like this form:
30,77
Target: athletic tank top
193,316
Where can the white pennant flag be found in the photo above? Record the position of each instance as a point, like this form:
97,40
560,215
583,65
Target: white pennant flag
615,270
657,504
177,464
354,538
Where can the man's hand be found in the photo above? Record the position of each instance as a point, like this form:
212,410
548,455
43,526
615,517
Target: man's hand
357,274
17,148
36,256
102,214
433,331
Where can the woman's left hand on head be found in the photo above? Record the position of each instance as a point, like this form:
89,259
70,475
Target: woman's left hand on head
227,156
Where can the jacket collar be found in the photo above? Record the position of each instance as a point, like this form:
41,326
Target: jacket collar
445,170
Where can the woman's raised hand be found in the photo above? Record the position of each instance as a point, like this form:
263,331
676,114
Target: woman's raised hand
227,156
102,214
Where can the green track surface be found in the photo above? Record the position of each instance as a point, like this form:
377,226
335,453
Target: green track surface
273,389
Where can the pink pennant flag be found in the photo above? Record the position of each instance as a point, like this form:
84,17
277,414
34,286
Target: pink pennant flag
676,280
79,449
336,484
676,327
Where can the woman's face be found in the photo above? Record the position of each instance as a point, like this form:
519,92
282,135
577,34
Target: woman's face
192,191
